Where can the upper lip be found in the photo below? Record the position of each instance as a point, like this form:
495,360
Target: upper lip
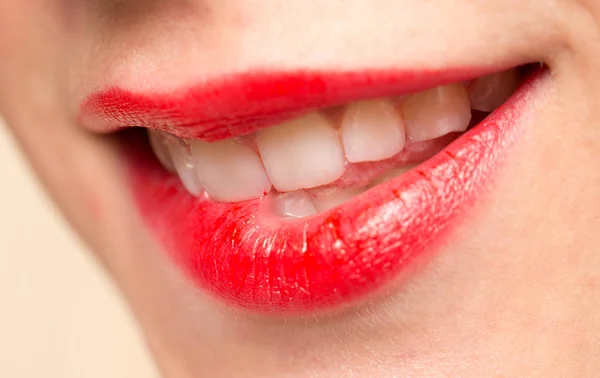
244,102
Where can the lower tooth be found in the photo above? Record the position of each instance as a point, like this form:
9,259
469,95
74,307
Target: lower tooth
298,204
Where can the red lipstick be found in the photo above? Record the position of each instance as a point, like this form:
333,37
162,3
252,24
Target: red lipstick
332,258
245,102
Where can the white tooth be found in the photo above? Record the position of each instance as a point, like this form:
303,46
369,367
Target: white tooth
437,112
296,204
302,153
158,142
372,130
182,160
491,91
330,198
229,171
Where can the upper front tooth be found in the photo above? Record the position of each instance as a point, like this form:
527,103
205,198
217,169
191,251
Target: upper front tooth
372,130
301,153
436,112
184,165
229,171
489,92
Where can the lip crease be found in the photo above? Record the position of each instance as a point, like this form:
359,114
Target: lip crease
327,260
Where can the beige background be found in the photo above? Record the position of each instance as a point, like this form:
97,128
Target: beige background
59,315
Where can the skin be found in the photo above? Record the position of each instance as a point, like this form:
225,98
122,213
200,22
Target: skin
513,292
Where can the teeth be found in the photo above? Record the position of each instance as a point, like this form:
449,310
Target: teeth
296,204
330,198
491,91
302,153
372,130
310,152
158,142
437,112
184,165
229,171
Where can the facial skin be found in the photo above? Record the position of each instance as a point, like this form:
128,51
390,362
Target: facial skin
516,291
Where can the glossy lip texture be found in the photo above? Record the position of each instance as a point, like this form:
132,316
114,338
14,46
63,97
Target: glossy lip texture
320,262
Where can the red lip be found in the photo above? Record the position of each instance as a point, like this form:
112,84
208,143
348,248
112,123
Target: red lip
245,102
332,258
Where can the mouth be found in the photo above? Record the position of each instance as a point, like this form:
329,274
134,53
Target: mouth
293,192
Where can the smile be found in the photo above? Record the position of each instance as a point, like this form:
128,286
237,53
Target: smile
293,192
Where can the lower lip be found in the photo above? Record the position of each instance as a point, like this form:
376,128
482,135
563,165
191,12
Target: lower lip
336,257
